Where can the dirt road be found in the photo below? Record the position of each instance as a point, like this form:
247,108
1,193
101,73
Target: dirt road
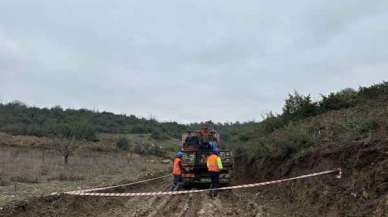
226,204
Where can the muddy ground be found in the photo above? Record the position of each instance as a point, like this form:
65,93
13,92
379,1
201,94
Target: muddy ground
230,203
361,192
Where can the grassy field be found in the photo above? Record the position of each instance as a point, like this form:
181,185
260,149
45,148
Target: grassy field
31,166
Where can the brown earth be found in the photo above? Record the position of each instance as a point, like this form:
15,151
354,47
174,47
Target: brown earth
226,204
363,191
32,167
251,202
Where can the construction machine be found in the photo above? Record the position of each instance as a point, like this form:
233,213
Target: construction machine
197,146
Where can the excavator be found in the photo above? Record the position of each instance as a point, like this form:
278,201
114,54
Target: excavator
196,146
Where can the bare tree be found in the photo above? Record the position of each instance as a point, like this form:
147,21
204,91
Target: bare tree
66,147
69,137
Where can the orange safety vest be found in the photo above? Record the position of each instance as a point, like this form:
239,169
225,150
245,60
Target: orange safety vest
212,165
177,168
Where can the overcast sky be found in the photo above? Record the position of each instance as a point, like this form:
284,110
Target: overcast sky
188,60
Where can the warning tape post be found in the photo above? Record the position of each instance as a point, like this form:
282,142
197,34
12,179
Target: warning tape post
92,192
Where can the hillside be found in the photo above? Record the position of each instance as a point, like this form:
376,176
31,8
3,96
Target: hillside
354,137
20,119
347,129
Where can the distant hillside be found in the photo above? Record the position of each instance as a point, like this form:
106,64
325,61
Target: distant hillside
18,118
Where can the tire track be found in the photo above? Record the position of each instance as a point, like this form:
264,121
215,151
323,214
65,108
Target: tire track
147,209
193,206
228,203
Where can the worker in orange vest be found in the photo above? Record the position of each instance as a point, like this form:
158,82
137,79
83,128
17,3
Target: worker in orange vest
177,171
214,166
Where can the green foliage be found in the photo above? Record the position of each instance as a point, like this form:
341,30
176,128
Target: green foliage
361,126
298,107
283,135
77,130
271,123
335,101
123,144
157,135
282,144
17,118
374,90
291,140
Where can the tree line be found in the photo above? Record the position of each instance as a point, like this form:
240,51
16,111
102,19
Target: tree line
18,118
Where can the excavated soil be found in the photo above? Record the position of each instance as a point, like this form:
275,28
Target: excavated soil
362,192
230,203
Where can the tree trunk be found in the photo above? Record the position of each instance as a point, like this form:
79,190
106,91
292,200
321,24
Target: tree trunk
66,159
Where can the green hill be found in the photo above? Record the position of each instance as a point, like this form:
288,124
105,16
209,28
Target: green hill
348,129
17,118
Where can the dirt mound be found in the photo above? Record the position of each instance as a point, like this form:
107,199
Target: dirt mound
363,191
226,204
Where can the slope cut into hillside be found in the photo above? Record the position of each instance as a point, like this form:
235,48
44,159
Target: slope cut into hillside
354,138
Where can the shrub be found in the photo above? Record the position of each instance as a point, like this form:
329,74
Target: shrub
148,149
66,177
155,150
157,135
4,181
26,178
298,107
374,90
271,123
334,101
123,144
361,126
368,126
139,149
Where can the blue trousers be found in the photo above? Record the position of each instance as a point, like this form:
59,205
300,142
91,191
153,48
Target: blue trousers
215,180
177,180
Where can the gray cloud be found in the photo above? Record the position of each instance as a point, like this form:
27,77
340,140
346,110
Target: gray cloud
190,60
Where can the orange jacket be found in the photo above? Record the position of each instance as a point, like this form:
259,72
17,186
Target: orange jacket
177,168
214,163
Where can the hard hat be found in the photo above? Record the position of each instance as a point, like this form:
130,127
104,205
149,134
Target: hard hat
179,154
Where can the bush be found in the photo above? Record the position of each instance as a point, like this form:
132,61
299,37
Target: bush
149,149
298,107
155,150
374,90
157,135
123,144
361,126
78,130
139,149
335,101
271,123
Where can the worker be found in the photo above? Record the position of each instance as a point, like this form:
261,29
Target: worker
205,133
214,165
177,171
213,145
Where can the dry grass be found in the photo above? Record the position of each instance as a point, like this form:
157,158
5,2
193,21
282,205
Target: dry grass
32,171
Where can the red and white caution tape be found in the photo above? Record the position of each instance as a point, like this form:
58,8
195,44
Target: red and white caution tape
90,192
118,186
